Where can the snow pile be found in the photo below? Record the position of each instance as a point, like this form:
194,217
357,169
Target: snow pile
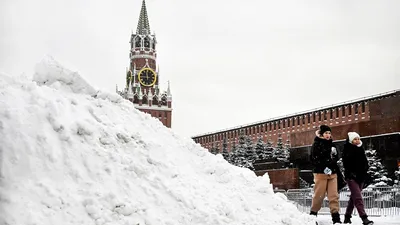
70,154
52,74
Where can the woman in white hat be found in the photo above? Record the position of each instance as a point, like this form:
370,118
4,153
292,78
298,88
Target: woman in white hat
355,165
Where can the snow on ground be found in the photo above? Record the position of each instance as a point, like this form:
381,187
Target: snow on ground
70,154
327,220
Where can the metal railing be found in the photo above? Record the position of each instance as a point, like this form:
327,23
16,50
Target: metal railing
378,201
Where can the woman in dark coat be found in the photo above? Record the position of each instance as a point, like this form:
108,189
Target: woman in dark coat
355,165
324,159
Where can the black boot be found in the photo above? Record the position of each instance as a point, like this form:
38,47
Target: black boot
336,218
347,219
366,221
314,214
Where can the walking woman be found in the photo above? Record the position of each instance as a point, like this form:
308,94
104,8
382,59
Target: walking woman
324,159
355,165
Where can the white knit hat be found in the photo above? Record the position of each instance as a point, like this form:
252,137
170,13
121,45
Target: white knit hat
352,135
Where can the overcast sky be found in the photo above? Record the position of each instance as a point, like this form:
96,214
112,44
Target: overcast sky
230,62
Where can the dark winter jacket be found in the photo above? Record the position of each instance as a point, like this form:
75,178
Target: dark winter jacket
355,162
322,157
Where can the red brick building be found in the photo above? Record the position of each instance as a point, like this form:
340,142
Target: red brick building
374,115
142,77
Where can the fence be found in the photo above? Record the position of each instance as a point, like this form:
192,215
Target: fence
379,201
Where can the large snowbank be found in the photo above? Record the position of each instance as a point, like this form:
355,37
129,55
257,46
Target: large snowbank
70,154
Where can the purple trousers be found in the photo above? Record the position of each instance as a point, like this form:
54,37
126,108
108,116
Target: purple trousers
355,198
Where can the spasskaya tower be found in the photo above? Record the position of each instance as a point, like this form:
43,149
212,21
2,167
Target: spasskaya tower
142,77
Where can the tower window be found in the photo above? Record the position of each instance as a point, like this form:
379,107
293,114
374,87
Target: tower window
325,114
147,42
337,112
288,122
314,117
319,116
138,42
331,113
343,111
308,118
356,108
363,107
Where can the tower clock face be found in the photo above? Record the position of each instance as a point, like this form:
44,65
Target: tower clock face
147,77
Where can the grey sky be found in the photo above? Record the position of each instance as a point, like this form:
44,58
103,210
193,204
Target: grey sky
230,62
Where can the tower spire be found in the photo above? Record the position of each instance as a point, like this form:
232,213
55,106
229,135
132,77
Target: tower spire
143,26
169,94
130,93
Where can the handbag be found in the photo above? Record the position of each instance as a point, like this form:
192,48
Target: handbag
340,181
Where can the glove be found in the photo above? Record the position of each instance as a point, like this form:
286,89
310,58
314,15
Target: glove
333,151
327,171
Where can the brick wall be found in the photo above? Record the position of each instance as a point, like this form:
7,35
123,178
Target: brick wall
384,117
282,178
373,116
163,115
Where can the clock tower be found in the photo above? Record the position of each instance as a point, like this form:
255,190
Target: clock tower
142,77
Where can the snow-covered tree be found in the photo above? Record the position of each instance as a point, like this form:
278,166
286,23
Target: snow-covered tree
269,150
281,153
397,177
287,145
217,147
260,148
279,144
231,158
238,156
378,175
244,154
212,149
268,144
249,155
225,152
